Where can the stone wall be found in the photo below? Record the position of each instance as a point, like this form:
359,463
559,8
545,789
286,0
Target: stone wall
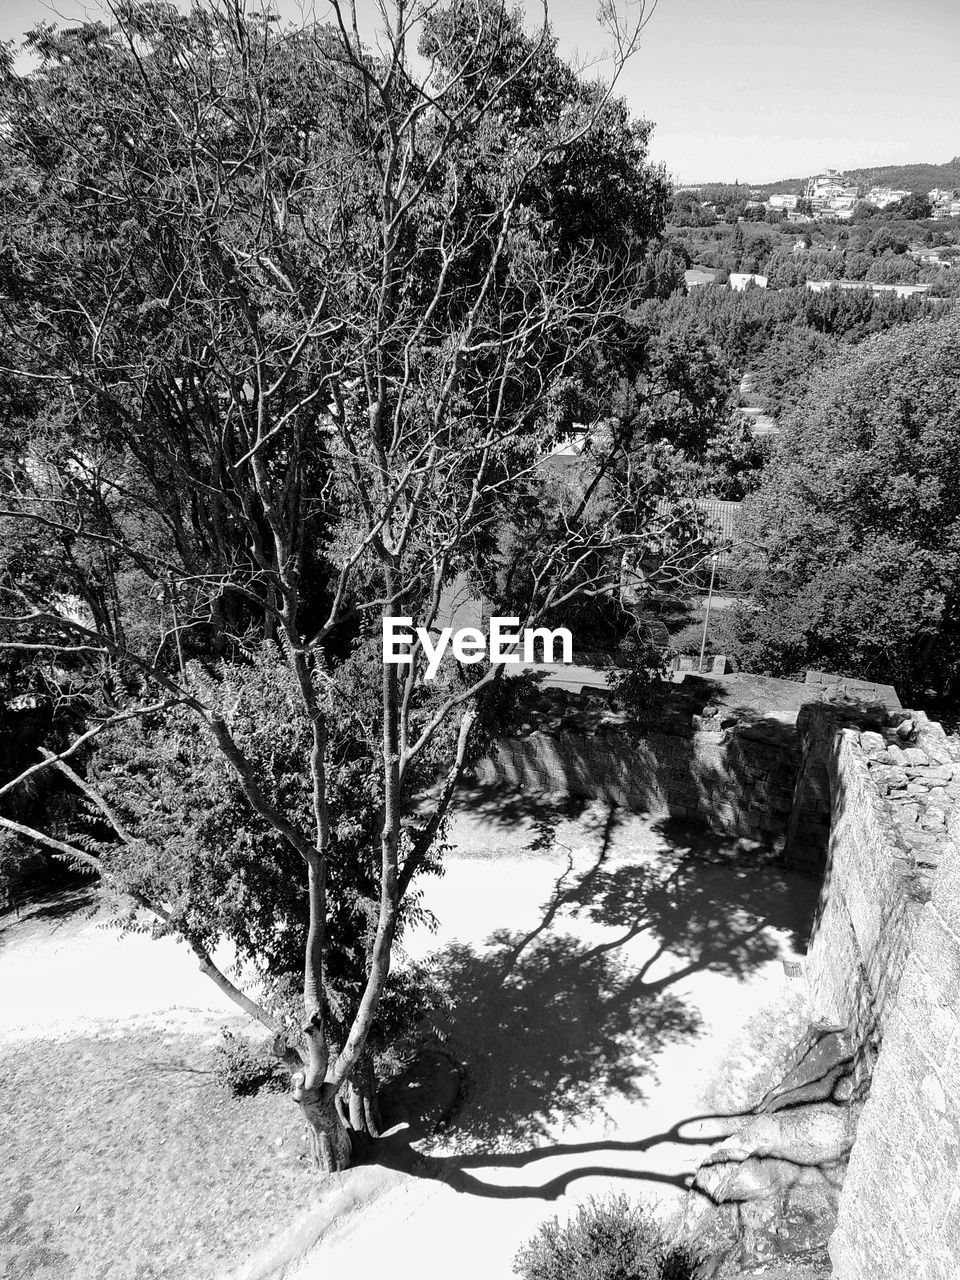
890,791
884,961
701,761
867,795
900,1207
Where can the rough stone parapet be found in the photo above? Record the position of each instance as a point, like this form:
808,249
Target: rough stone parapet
830,686
900,1208
916,769
885,791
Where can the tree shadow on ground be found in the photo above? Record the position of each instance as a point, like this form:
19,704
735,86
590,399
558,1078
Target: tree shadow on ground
545,1027
395,1151
705,900
59,904
546,1033
505,806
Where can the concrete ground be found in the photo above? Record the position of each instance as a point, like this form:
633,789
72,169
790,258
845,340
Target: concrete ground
617,983
63,973
618,989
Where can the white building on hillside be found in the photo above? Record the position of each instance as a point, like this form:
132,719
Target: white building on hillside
882,196
945,203
740,279
901,290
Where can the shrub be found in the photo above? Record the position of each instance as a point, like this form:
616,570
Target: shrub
246,1068
609,1239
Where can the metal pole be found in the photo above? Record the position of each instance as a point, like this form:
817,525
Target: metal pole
176,630
706,616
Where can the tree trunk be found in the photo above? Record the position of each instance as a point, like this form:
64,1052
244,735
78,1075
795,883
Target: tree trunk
330,1143
363,1111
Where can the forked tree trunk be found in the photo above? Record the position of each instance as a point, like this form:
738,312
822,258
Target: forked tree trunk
330,1144
363,1113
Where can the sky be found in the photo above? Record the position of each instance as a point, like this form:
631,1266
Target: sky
756,90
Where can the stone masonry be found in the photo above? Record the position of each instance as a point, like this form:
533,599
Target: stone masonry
900,1206
702,760
853,788
884,962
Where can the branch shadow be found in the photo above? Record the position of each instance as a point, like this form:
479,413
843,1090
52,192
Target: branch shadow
547,1033
506,806
546,1027
396,1151
58,905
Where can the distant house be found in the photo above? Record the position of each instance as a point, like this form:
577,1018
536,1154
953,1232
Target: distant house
739,280
945,203
720,522
826,186
901,290
762,425
783,200
882,196
716,522
929,258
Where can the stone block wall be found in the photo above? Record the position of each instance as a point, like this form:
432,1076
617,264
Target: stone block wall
868,796
705,764
900,1208
884,961
890,793
827,686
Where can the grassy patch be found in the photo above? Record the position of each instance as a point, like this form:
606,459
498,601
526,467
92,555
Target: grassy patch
125,1159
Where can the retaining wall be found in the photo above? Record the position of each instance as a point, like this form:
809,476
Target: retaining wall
701,761
900,1207
870,799
884,961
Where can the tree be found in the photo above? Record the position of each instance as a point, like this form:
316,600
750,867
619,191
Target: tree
786,366
857,266
857,523
893,268
686,390
886,240
863,211
298,320
914,207
665,271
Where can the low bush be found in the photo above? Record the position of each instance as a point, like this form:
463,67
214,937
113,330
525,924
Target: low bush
609,1239
247,1068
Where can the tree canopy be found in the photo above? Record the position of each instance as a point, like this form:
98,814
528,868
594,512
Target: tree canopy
290,320
856,526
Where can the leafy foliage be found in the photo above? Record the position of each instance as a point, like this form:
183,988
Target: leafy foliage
291,328
858,519
225,872
608,1239
245,1068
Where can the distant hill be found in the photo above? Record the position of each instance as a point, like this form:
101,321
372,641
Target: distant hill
904,177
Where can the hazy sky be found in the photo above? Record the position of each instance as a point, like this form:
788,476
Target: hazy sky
761,89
